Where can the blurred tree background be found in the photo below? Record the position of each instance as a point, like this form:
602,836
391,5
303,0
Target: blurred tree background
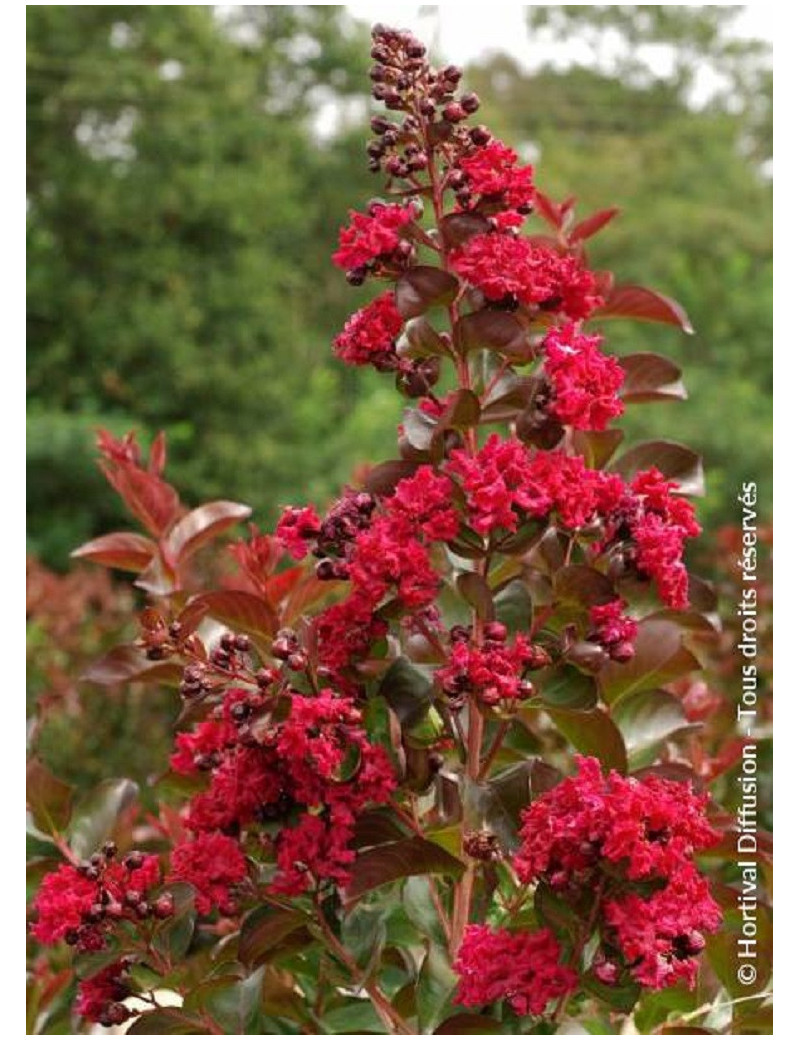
189,167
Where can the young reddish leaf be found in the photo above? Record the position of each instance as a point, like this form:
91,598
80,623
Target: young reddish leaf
96,815
547,209
278,586
306,594
242,611
49,799
151,500
581,584
384,478
640,304
422,340
384,863
508,396
458,228
591,225
159,577
477,593
158,454
505,332
265,928
201,525
463,411
422,287
597,447
122,549
660,657
675,461
592,733
128,664
651,377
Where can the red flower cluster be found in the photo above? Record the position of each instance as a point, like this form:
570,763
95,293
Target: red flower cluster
368,335
309,774
613,630
604,832
211,863
585,381
100,996
660,937
373,236
508,268
81,904
520,967
493,672
493,177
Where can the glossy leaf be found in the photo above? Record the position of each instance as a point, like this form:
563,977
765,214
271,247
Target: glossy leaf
128,664
407,690
593,733
660,657
435,989
95,817
242,611
173,936
421,339
597,447
476,592
458,228
567,688
264,929
675,461
648,717
583,585
421,287
640,304
49,799
384,863
201,525
151,500
498,802
167,1021
512,606
122,549
591,225
651,377
384,478
505,332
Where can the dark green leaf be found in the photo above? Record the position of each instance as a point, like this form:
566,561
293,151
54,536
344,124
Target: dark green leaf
407,690
567,688
435,988
512,606
264,929
96,815
646,719
593,733
619,997
49,799
497,803
174,936
476,592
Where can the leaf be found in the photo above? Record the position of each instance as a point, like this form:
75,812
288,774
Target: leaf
565,687
475,590
421,287
651,377
675,461
151,500
384,478
264,929
466,1024
49,799
159,578
640,304
122,549
419,908
167,1021
375,827
407,690
593,733
504,332
498,803
463,411
458,228
592,224
95,816
419,428
354,1017
435,988
512,606
578,583
174,936
597,447
660,656
128,664
384,863
620,997
201,525
242,611
646,718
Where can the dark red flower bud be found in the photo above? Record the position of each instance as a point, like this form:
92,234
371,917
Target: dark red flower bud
453,112
470,103
164,906
495,631
480,135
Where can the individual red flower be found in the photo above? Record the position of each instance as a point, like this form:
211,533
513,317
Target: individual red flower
371,236
368,335
507,267
492,175
522,968
211,863
613,629
661,935
585,381
425,502
386,560
296,528
100,995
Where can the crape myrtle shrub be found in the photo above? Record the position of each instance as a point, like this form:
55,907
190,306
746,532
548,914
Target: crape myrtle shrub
426,775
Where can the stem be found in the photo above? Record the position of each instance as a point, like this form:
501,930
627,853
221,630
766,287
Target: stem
577,953
388,1015
495,746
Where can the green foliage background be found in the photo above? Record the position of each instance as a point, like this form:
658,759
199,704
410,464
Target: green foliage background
182,210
